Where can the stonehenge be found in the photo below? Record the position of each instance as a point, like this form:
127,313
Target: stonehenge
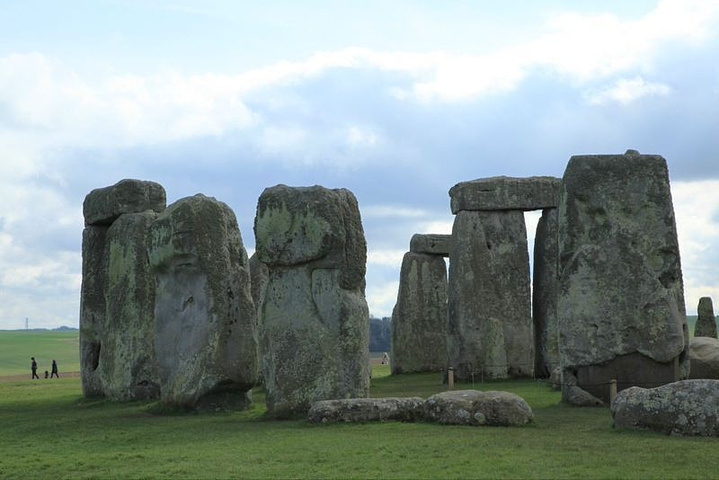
314,319
173,309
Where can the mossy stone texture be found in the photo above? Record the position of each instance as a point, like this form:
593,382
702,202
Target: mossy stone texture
314,320
205,320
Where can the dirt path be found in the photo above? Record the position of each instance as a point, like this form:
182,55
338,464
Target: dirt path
14,378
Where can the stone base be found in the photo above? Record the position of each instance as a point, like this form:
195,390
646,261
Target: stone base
629,370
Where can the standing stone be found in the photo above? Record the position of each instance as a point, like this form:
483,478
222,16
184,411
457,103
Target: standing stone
101,208
127,364
544,295
314,321
205,321
419,318
489,329
706,325
93,305
704,357
620,306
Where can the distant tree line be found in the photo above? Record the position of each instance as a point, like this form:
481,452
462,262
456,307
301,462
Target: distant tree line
380,334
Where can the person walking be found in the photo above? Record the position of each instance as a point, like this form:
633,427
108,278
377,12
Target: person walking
33,367
54,370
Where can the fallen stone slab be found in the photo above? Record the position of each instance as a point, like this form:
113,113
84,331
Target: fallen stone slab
103,206
687,407
404,409
505,193
704,358
430,244
473,407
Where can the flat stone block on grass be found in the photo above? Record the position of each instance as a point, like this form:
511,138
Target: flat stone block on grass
407,409
477,408
688,407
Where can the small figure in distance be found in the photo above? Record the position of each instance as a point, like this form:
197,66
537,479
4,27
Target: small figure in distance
33,367
385,359
47,374
54,370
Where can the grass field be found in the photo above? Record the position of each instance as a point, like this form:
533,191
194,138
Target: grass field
17,346
47,430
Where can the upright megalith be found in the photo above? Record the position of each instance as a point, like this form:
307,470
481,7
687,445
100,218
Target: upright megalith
314,321
93,304
127,363
544,295
620,304
205,320
116,290
420,315
706,325
489,328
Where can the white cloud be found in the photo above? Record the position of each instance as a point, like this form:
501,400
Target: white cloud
386,257
381,298
626,91
389,211
695,207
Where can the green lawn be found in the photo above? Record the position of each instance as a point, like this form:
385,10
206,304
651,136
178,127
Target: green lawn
17,346
47,430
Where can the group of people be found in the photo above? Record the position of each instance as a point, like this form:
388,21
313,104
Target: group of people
33,367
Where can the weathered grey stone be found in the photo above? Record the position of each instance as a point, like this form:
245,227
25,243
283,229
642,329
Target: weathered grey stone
489,330
620,304
314,321
706,325
688,407
505,193
260,275
579,397
205,321
555,379
431,244
473,407
298,225
544,294
127,364
419,319
103,205
93,304
407,409
704,357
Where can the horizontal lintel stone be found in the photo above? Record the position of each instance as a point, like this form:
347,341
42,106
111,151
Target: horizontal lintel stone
430,244
505,193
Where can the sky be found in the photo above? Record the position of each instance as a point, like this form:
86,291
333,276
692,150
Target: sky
395,100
